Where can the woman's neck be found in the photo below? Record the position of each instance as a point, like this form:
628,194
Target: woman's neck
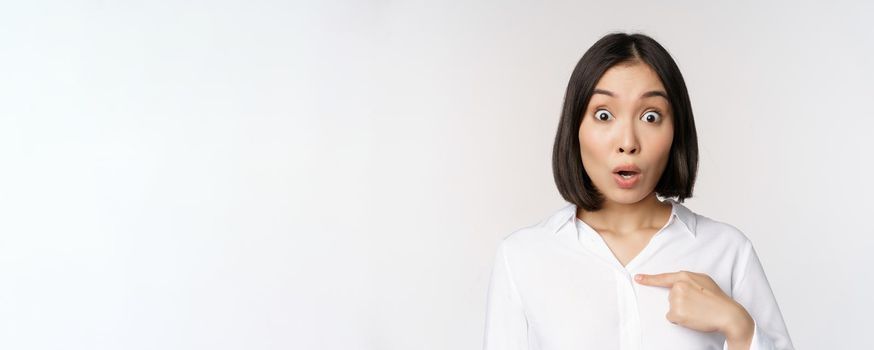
628,218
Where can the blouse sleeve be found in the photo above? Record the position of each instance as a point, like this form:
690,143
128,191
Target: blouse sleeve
754,293
506,327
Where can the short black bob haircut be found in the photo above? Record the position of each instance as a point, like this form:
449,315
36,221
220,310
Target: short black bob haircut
678,179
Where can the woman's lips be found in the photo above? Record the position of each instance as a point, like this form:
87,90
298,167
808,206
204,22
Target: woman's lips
626,181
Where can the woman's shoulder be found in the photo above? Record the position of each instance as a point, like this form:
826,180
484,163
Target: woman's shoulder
543,228
709,228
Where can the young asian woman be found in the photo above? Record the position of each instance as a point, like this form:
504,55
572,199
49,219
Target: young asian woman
617,267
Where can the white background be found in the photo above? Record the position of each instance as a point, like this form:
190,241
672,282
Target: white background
337,175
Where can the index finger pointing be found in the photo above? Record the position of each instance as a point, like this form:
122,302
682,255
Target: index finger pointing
659,280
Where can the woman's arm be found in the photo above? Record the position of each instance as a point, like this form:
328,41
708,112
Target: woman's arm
753,292
506,327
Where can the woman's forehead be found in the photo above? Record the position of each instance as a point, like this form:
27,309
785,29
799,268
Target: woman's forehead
629,81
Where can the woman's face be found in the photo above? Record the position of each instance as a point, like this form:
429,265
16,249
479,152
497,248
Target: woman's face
628,122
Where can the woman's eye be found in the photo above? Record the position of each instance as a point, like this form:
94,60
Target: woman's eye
603,115
651,117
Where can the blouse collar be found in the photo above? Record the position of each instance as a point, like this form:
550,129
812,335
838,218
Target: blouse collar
568,213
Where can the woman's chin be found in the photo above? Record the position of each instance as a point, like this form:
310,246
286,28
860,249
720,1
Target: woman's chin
626,196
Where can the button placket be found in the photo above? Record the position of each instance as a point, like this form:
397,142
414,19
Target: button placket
629,315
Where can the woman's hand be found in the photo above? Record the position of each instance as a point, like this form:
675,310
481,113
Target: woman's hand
698,303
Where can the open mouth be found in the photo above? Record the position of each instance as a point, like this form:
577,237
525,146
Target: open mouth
626,174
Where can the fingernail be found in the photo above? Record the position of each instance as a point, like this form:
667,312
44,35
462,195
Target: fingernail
638,277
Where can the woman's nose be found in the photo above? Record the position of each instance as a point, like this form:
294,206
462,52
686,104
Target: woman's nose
628,143
631,150
628,139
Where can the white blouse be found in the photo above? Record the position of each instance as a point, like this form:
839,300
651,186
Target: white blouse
557,285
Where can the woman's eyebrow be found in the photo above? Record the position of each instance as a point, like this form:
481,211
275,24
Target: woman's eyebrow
602,92
655,93
645,95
